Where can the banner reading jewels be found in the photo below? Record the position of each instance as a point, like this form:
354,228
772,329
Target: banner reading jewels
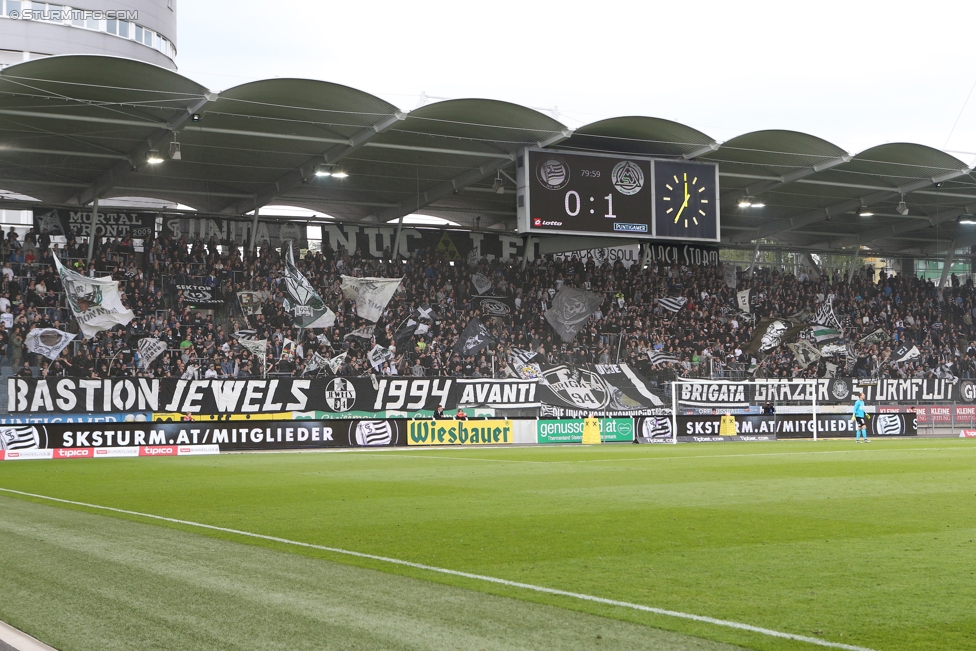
265,435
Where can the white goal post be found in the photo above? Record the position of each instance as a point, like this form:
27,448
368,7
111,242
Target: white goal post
677,384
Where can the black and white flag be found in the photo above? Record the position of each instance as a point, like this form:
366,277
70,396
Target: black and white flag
257,347
481,283
378,355
805,353
825,315
831,369
425,312
672,304
363,334
905,354
316,363
22,437
336,362
149,349
494,306
48,341
371,294
876,337
729,275
742,298
658,357
310,310
851,358
474,338
250,302
570,310
518,357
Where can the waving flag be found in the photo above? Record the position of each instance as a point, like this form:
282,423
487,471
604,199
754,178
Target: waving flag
310,309
149,349
474,338
336,362
48,341
371,294
481,283
905,354
672,304
570,309
95,302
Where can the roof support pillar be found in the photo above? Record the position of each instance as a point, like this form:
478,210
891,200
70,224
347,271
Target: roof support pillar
91,233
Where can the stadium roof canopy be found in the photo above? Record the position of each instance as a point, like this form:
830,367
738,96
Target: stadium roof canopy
73,128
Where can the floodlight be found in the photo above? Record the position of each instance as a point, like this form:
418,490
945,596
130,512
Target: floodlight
902,208
339,174
966,219
174,150
153,158
864,212
745,202
195,117
497,185
323,170
758,203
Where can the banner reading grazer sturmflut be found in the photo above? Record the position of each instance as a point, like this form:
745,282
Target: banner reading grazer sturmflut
459,432
612,430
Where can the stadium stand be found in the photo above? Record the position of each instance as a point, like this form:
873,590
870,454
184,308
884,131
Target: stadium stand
705,338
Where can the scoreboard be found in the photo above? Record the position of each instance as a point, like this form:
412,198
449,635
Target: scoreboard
562,193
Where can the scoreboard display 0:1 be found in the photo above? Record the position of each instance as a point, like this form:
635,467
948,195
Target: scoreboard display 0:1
587,194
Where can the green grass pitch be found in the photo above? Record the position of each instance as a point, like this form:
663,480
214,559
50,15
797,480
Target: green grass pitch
864,545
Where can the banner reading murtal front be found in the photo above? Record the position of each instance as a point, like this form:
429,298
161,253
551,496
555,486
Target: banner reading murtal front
459,432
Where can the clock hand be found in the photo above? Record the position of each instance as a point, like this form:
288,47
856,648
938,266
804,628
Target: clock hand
682,209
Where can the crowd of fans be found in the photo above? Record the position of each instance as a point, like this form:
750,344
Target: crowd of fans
707,337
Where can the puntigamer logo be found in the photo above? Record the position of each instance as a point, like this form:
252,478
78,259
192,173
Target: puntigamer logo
459,432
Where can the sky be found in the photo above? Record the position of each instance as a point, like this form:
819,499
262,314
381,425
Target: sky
857,73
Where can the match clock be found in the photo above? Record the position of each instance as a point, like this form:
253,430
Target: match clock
686,200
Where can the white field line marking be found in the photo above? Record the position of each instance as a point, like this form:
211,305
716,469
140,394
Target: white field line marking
477,577
757,455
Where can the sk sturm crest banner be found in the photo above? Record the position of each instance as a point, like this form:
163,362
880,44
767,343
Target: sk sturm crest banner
494,306
95,302
310,310
371,294
570,309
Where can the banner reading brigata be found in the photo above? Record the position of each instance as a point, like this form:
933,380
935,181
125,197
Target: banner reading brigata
264,435
459,432
828,391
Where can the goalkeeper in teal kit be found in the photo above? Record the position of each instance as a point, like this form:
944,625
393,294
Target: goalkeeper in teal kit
858,419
